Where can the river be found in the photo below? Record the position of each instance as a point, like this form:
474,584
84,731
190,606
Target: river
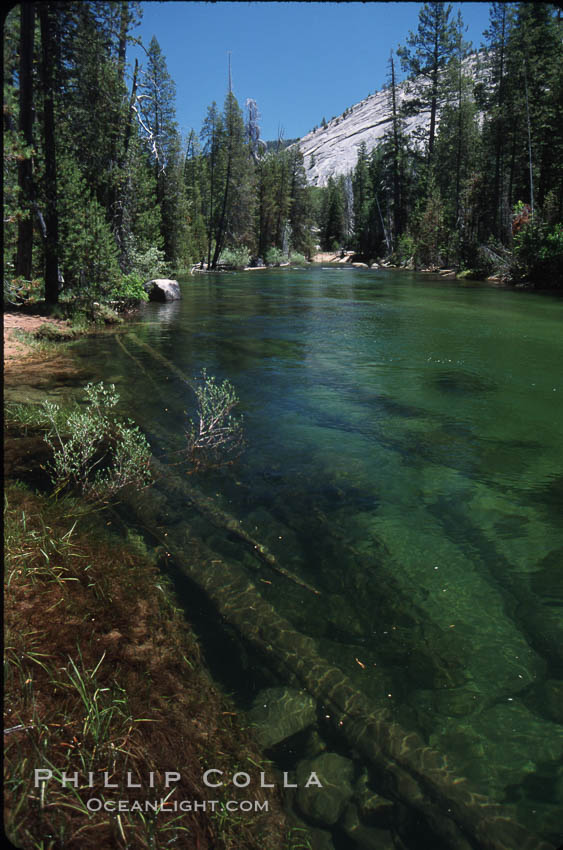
404,456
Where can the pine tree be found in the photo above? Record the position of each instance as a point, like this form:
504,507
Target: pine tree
457,147
194,186
157,114
233,216
300,214
496,127
23,266
48,47
363,199
425,58
211,136
333,228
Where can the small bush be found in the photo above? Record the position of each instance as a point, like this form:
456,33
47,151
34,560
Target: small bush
94,452
235,258
297,259
275,256
54,333
406,248
146,265
216,435
538,254
130,288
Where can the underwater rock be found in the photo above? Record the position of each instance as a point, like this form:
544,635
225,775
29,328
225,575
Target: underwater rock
325,805
372,808
279,713
312,837
553,699
462,383
366,837
315,745
508,743
458,702
162,289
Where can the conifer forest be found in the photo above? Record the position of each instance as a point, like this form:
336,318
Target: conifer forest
101,188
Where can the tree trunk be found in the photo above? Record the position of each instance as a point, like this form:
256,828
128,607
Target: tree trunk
220,233
397,210
51,217
434,101
23,267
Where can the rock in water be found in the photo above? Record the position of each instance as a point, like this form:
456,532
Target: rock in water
279,713
162,289
324,805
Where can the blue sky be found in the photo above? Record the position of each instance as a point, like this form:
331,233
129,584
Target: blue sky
299,61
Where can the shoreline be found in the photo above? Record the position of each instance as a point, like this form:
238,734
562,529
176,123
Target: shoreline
112,633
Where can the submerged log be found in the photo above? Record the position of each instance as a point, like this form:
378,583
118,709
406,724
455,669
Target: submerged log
407,769
162,360
221,519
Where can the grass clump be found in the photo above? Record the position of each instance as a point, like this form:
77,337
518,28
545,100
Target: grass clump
54,333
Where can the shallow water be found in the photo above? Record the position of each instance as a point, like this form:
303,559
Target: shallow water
404,456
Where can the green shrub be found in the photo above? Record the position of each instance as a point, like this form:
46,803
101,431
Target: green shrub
538,254
94,452
297,259
235,258
275,256
216,434
146,265
54,333
130,288
406,248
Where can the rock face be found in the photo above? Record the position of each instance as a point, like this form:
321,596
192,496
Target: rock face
324,806
162,289
278,713
332,151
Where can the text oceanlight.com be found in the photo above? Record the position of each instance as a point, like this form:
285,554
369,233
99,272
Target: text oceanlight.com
95,804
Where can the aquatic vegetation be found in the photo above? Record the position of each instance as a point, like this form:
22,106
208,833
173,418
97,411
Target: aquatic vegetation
217,435
94,452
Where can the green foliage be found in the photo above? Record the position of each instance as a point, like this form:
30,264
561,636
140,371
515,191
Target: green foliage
297,259
216,434
538,254
53,333
129,289
17,290
332,220
430,233
275,256
88,253
235,258
406,248
94,452
148,264
128,197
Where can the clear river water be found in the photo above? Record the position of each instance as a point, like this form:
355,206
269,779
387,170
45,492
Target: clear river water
404,456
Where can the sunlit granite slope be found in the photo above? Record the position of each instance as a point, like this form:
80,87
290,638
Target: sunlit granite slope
332,151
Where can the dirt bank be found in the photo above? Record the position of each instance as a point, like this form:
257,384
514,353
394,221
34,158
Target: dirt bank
16,350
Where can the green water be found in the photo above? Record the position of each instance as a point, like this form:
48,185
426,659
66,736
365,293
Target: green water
404,456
